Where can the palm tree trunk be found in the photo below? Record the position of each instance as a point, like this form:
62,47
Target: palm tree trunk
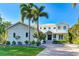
22,19
29,30
38,29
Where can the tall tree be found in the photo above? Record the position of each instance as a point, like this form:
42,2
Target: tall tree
7,24
70,37
26,12
3,31
37,13
74,31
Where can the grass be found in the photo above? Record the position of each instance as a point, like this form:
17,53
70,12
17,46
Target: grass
19,51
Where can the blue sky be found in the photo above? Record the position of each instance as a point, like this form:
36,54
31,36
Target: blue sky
57,13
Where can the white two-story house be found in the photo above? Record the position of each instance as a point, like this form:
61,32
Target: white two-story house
19,32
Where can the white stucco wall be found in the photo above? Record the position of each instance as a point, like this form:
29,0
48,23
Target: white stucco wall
20,30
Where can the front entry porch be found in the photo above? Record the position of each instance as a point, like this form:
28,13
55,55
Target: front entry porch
50,37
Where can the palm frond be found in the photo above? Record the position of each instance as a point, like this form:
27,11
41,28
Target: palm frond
36,7
23,10
35,18
23,5
41,8
31,5
44,14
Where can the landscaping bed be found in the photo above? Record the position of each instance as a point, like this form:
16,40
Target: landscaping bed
19,51
59,42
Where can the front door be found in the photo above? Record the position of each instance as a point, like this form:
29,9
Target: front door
49,37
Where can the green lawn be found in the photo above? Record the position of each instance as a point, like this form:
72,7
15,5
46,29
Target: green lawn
19,51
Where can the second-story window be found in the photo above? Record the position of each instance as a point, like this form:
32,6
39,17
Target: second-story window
49,27
44,27
40,28
64,27
59,27
54,28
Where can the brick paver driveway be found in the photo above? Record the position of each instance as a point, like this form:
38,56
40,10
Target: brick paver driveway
60,50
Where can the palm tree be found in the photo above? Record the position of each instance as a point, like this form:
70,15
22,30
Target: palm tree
26,12
38,12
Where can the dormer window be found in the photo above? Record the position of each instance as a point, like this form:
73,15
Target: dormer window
64,27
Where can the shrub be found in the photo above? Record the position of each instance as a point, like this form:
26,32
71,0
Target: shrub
19,43
26,42
13,43
8,43
76,41
42,36
33,42
38,43
59,41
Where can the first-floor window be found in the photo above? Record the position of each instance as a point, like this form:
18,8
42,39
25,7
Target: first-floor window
60,37
14,34
54,35
26,34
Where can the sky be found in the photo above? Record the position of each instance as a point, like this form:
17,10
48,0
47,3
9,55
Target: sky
57,12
